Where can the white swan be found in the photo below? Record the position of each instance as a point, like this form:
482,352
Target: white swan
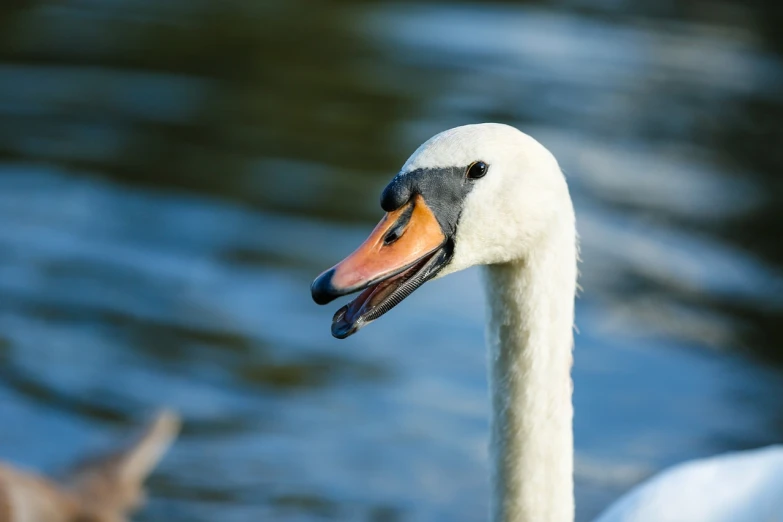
490,195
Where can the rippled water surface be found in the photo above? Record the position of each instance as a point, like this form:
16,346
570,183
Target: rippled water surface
174,174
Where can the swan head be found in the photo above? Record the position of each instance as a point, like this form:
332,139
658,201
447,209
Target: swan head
473,195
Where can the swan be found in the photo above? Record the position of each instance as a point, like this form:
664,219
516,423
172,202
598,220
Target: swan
492,196
99,489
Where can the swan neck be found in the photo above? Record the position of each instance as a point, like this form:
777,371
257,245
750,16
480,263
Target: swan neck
530,338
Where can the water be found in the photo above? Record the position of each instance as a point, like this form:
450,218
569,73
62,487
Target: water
173,175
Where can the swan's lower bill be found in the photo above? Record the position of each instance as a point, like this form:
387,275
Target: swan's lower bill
381,297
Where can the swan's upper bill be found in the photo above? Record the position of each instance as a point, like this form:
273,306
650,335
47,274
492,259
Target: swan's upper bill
477,194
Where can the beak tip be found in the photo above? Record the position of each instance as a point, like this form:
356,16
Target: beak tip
342,330
322,290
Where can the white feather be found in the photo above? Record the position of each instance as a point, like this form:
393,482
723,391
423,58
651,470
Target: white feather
746,486
518,221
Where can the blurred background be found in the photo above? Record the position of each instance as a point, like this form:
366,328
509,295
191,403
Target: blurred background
174,174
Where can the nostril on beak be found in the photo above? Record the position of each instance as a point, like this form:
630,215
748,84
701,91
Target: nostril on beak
393,235
398,229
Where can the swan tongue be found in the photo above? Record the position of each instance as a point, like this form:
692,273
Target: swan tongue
349,318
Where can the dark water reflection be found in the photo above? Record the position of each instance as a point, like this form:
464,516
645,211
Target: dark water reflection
174,174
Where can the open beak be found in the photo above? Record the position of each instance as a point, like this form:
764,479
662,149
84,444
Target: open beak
406,249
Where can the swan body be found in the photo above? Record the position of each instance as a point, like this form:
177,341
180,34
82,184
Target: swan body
745,486
100,489
488,195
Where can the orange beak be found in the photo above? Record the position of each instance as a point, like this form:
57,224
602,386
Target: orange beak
405,249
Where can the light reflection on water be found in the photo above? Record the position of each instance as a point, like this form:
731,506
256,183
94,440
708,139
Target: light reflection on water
165,211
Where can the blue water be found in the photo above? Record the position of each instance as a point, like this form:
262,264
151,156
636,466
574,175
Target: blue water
164,212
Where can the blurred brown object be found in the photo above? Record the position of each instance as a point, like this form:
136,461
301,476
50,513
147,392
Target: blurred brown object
102,488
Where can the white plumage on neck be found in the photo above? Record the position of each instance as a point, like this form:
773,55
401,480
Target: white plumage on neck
529,338
518,223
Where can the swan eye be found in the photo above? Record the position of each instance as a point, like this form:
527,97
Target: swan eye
477,170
